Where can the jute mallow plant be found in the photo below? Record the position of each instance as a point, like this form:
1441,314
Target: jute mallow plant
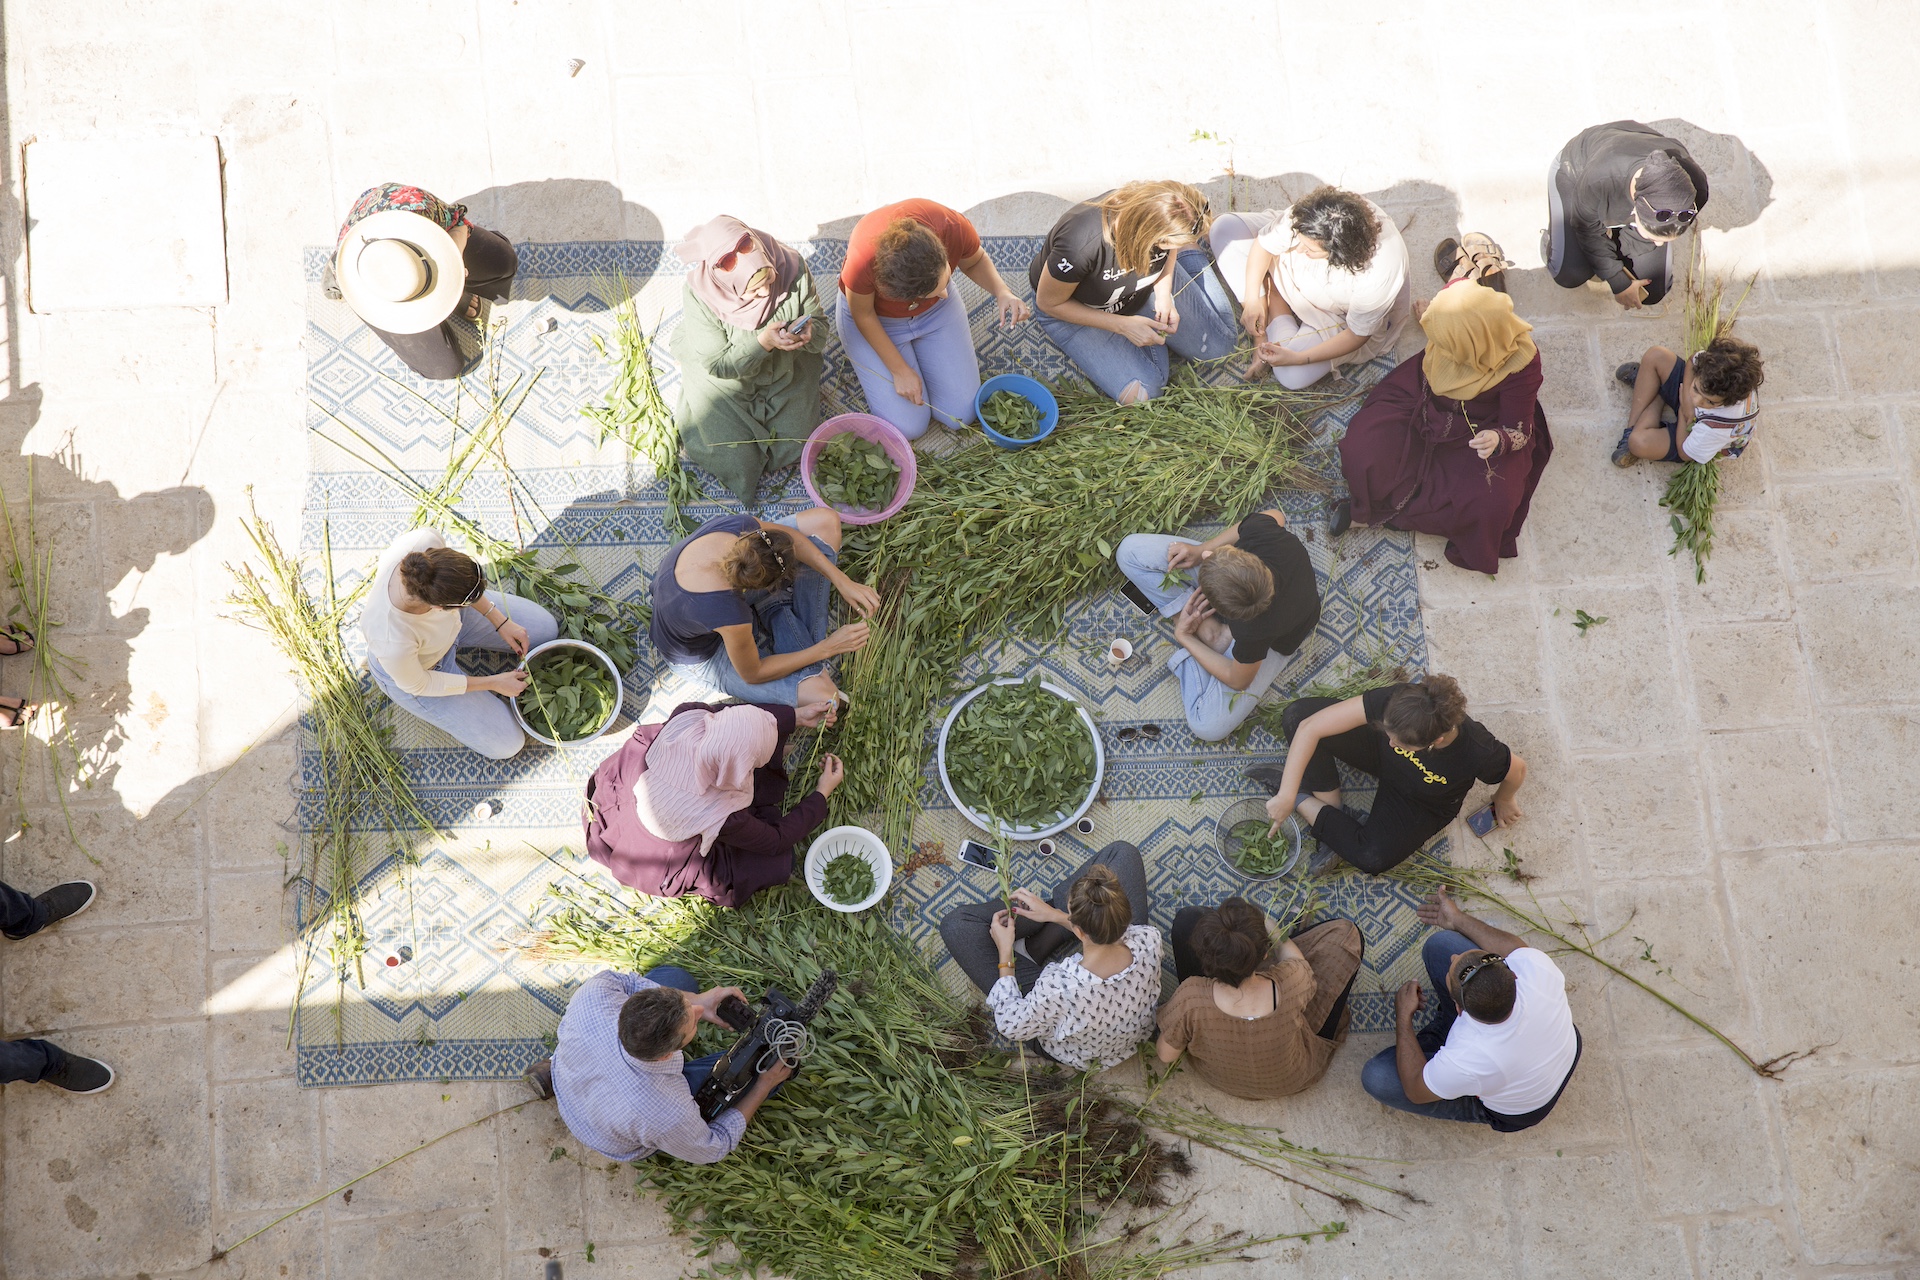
904,1147
997,543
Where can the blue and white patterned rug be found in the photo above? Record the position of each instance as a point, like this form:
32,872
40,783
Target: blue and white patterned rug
462,1000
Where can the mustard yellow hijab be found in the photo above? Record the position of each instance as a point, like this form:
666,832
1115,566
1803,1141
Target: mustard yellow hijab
1474,341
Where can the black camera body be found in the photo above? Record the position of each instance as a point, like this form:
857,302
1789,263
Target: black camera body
771,1030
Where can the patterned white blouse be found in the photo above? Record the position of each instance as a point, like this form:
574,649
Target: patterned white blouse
1082,1019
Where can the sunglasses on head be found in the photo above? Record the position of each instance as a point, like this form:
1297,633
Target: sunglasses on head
479,589
730,259
1486,961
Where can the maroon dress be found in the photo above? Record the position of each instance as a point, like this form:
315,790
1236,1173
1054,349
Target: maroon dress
1408,465
753,851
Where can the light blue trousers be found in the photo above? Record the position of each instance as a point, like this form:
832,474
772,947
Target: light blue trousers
477,718
936,344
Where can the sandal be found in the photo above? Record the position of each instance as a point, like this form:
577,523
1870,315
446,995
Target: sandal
12,717
22,640
1446,256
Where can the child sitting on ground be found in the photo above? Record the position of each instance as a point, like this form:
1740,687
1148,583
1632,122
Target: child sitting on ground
1713,394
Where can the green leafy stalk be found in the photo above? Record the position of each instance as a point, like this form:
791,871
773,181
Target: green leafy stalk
636,414
1693,490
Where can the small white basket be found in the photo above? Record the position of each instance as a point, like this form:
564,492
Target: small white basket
829,845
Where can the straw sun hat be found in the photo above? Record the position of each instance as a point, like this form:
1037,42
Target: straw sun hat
400,272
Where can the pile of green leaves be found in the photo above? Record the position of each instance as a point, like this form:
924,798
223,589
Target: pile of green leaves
1012,415
855,474
903,1147
1254,851
1020,754
996,543
569,694
847,879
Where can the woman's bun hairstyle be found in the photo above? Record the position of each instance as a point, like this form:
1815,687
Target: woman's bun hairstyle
1098,906
440,576
908,260
1232,942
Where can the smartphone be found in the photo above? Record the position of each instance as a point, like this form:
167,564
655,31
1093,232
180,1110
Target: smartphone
980,855
798,327
735,1013
1139,598
1481,822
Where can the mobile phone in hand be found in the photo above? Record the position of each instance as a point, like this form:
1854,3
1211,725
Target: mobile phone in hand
798,328
979,855
1482,822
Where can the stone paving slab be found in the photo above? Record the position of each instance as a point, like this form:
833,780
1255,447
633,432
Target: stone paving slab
1722,767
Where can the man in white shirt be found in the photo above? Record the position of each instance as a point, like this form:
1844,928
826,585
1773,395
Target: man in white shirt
1501,1044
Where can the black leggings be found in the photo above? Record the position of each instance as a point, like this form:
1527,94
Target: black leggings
1396,828
436,354
1186,963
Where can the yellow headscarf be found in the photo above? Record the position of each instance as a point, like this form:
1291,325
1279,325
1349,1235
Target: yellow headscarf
1474,341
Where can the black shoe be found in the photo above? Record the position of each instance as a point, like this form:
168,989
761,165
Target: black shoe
1341,518
1628,373
66,900
80,1075
1267,775
1446,256
1623,452
539,1078
1323,859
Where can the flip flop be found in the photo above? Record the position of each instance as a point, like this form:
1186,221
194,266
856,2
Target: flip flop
14,717
22,639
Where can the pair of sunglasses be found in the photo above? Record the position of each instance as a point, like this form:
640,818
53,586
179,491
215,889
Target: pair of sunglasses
479,589
1484,962
1673,217
730,259
1151,732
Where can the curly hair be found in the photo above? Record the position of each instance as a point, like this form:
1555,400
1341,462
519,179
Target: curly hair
1340,221
1421,714
1098,905
908,260
759,559
1728,369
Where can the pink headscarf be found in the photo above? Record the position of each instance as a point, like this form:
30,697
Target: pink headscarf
726,292
700,771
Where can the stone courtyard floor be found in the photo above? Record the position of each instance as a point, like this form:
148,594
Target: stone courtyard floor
1726,772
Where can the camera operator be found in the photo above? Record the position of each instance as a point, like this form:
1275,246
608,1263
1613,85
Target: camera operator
618,1073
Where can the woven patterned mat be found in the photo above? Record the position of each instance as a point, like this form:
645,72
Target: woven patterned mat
466,1003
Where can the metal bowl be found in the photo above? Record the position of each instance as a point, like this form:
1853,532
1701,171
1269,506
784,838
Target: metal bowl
1227,845
989,825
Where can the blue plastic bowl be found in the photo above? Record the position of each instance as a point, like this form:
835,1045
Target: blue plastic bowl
1027,389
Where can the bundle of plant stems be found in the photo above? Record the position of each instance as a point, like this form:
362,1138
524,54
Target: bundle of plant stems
996,543
583,610
636,414
366,806
29,559
904,1147
1694,488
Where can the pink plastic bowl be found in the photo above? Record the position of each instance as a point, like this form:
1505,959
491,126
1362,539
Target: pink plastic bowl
867,427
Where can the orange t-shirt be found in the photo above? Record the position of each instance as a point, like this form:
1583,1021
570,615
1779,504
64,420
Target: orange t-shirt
956,235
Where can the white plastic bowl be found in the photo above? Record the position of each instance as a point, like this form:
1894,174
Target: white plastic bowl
991,827
829,845
605,661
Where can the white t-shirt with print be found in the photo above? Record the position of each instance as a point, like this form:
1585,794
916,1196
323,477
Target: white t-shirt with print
1515,1066
1724,429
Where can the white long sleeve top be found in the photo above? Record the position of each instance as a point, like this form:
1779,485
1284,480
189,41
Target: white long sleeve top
408,645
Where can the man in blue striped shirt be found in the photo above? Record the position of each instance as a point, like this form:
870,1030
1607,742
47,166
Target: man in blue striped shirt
618,1073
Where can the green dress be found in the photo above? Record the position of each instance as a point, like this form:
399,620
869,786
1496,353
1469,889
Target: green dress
745,410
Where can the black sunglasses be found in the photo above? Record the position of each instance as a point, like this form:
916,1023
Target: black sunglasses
1151,732
1485,961
1673,217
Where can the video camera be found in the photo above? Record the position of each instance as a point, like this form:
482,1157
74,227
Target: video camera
779,1030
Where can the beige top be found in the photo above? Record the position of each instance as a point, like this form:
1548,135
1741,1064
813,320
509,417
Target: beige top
407,645
1374,303
1276,1053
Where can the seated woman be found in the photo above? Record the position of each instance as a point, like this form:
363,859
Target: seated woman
1252,1023
427,602
902,321
1121,281
749,353
696,805
1321,284
1415,738
1715,394
1257,579
740,605
1084,992
1453,443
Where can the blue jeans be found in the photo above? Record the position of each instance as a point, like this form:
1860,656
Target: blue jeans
1381,1076
477,718
936,344
785,620
27,1060
1214,708
1207,331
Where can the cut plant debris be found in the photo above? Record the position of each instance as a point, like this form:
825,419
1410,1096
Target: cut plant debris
1020,754
1257,853
636,414
1693,491
847,879
1012,415
1582,620
903,1146
570,694
997,544
855,474
364,807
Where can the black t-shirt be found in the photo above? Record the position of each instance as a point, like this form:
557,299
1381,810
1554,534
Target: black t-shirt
1438,779
1077,253
684,622
1295,610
